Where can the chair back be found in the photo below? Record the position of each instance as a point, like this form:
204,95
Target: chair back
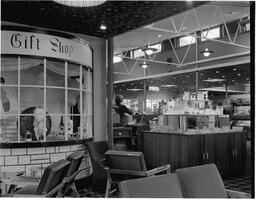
75,160
97,154
126,160
161,186
52,176
97,149
201,182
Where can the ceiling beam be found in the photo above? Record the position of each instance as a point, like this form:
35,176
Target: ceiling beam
246,61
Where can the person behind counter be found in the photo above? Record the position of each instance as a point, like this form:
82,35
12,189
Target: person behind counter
121,109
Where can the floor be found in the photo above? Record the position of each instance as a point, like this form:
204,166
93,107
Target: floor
241,182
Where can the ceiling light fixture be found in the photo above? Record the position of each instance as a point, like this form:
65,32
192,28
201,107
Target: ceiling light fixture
144,65
148,50
206,52
103,27
81,3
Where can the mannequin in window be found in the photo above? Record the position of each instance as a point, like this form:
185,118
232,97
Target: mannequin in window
121,109
5,102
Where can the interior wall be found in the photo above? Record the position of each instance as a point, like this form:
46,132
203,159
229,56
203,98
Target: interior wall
99,83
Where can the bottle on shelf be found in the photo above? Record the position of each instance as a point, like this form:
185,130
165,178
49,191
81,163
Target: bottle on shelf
28,136
61,126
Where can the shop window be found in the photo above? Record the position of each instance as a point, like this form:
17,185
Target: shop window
117,58
52,100
186,40
247,27
140,53
211,34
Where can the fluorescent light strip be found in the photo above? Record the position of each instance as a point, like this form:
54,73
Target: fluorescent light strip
214,80
169,85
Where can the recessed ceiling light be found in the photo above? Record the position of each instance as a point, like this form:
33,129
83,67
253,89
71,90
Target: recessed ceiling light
183,81
184,28
141,82
103,27
159,35
232,80
169,85
247,79
214,80
217,71
123,85
223,76
201,74
188,76
238,74
134,89
131,83
236,83
234,69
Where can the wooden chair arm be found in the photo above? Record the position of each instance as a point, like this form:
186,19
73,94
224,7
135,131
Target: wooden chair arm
100,162
70,178
54,190
237,194
126,172
160,169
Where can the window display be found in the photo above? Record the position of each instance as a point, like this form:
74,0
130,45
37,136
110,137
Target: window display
52,99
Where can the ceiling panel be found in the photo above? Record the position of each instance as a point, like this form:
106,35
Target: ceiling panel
212,13
118,16
234,76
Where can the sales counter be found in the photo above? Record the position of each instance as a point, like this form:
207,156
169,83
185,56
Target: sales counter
226,149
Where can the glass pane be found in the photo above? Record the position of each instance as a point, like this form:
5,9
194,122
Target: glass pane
73,101
213,33
55,100
87,79
8,128
32,71
87,127
117,58
57,128
87,103
90,80
73,76
55,74
9,100
31,97
9,70
187,40
138,53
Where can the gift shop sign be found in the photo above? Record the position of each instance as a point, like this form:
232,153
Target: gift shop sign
27,43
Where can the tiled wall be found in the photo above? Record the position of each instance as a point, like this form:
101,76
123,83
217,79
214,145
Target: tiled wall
21,159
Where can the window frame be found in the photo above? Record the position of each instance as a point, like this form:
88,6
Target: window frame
85,118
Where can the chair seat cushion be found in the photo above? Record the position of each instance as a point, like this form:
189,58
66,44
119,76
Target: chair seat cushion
30,189
161,186
201,182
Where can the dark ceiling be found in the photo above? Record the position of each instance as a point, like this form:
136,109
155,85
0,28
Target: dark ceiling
119,16
233,75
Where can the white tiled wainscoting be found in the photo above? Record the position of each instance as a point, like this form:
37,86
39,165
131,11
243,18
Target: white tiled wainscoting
22,159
